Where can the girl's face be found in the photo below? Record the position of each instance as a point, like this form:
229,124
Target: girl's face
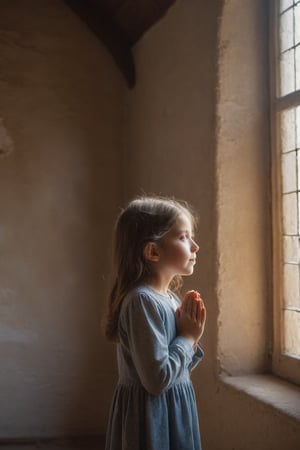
177,249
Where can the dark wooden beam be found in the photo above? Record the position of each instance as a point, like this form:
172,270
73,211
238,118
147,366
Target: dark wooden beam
115,40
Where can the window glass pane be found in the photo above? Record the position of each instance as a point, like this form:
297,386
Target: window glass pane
297,62
298,170
289,172
298,213
284,4
291,322
287,72
287,130
297,23
298,127
286,30
291,250
290,214
290,285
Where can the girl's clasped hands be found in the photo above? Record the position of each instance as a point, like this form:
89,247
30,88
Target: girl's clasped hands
191,317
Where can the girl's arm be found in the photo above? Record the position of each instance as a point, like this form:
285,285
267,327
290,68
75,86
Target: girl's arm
158,364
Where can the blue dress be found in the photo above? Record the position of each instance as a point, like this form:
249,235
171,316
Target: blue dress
154,405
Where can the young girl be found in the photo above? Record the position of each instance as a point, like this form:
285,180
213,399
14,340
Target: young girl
158,336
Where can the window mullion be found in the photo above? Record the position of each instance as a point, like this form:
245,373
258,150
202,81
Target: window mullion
288,101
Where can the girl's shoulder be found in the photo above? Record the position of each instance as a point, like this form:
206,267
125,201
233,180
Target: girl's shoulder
139,300
142,293
146,297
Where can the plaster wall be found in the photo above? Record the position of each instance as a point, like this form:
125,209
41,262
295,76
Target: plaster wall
243,178
60,95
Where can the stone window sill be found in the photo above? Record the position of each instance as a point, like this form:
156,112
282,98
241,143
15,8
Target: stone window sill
276,393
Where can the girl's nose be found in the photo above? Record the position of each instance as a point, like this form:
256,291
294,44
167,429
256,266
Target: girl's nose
195,247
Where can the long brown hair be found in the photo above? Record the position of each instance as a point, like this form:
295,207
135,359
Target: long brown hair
145,219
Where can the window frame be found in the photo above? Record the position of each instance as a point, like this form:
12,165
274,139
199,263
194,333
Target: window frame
283,365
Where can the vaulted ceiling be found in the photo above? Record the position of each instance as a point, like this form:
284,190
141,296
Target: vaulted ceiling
120,24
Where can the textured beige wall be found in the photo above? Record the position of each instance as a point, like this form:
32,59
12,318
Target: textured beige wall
60,95
243,188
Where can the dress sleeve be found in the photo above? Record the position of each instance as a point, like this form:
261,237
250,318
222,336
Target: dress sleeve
157,363
198,356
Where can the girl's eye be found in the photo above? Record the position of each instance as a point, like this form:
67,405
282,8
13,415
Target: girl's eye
186,236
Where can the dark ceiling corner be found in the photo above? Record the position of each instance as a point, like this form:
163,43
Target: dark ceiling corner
120,24
110,34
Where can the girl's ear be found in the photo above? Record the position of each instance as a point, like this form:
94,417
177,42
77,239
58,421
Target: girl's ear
151,252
